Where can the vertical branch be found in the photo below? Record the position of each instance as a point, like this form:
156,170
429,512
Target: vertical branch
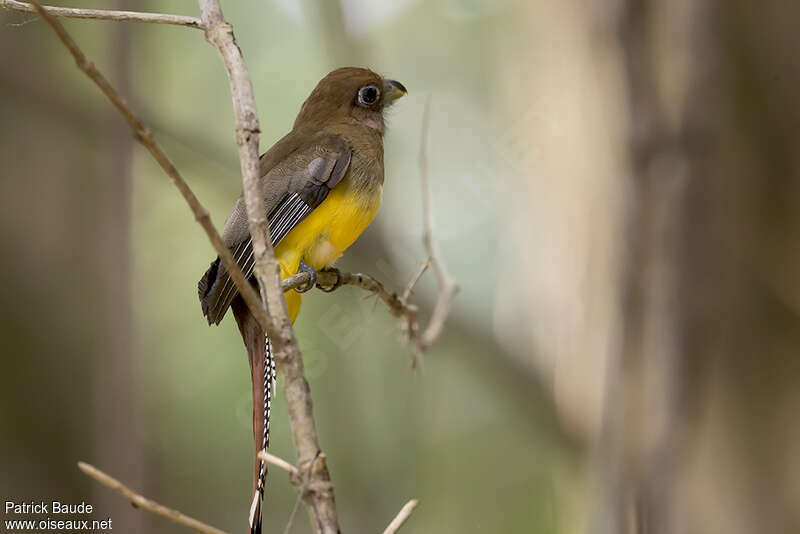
447,285
318,491
318,494
640,423
665,298
711,310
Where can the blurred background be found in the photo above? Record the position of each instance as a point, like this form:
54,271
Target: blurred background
615,186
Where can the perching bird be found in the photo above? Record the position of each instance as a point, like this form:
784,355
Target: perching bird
322,186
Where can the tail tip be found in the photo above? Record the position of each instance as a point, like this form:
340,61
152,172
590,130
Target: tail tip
255,513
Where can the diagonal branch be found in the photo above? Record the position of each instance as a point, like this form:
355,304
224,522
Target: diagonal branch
145,137
140,501
319,498
401,517
105,14
312,469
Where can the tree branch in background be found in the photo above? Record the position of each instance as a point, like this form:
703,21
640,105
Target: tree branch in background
312,469
319,498
105,14
145,137
288,528
418,339
447,285
143,502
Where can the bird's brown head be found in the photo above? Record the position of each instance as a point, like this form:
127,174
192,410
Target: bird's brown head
350,93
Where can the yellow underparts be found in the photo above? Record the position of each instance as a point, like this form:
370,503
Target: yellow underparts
322,237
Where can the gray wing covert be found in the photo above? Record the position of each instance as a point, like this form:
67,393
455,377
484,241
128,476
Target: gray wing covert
305,180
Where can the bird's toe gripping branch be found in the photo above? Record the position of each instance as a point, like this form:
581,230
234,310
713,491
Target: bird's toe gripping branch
303,268
336,285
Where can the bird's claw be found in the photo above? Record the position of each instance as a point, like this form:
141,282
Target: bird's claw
336,284
312,281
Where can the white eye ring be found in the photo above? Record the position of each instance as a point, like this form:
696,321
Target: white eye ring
368,95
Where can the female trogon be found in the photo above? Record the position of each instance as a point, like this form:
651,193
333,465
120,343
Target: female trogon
322,186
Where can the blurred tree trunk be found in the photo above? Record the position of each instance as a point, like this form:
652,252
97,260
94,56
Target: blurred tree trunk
701,430
69,371
328,18
116,430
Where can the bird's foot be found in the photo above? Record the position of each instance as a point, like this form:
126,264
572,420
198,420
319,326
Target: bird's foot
336,284
312,281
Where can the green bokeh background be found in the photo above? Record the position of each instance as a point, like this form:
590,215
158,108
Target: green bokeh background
115,365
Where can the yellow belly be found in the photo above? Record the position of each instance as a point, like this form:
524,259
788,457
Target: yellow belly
322,237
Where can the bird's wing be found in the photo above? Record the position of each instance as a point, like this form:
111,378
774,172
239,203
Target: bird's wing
292,189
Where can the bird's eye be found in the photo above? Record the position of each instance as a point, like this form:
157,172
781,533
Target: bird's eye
368,95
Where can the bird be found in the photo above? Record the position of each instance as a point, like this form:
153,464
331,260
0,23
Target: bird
322,185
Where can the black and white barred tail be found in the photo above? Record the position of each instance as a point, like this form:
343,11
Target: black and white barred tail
269,384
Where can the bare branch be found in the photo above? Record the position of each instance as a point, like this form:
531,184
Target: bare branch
311,463
106,14
278,462
290,521
414,279
393,527
312,471
447,285
140,501
398,305
145,137
401,517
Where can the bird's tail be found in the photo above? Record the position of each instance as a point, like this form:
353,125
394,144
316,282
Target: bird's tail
263,374
259,354
255,513
266,385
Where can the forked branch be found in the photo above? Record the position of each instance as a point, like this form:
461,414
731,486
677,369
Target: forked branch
447,285
393,527
419,339
311,467
311,463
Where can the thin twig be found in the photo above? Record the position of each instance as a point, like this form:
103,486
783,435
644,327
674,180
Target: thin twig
447,285
23,23
290,521
106,14
423,266
396,305
145,137
278,462
401,517
318,490
140,501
